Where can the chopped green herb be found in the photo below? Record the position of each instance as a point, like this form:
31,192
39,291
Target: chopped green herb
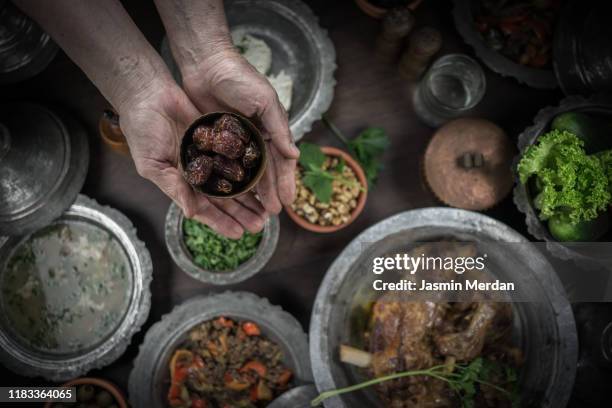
464,379
315,178
214,252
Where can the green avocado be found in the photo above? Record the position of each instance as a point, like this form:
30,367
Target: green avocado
562,229
595,132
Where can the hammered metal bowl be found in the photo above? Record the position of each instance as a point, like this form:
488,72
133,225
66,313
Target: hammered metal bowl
299,46
545,329
464,12
25,361
598,105
149,380
182,257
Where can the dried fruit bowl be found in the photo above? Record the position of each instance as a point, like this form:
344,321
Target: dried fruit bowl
361,199
252,176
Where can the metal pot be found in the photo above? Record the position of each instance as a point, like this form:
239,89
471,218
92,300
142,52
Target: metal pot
26,360
545,329
149,380
181,255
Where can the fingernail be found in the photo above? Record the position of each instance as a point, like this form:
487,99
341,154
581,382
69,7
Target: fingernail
295,150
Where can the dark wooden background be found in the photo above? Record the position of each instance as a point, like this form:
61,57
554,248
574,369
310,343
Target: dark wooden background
368,92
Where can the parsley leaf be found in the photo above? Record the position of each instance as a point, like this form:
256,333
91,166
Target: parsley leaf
366,148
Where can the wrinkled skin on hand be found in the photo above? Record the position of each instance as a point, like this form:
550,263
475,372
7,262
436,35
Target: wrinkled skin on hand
154,123
225,81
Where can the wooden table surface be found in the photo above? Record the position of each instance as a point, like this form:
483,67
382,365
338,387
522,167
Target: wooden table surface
368,92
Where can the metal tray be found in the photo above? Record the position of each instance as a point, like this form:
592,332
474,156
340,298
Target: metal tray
180,254
22,360
149,380
545,328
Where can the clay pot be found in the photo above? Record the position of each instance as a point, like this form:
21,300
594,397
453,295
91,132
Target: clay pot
98,383
334,152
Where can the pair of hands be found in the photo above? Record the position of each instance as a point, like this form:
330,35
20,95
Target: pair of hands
154,123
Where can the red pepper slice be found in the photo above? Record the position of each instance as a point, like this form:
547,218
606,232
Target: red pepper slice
251,329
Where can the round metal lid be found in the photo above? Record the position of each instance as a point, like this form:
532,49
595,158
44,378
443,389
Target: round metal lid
25,50
44,160
468,164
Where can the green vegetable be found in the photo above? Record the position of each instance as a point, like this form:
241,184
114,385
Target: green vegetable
595,132
570,182
214,252
366,148
315,178
562,229
464,379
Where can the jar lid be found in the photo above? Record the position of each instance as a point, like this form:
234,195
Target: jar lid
44,160
468,164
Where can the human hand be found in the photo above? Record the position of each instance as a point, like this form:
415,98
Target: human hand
226,81
154,122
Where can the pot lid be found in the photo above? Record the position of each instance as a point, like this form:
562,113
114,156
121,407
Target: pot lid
25,49
468,164
44,160
583,57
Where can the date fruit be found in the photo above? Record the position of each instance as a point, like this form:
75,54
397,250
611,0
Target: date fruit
203,137
199,170
219,185
192,152
251,156
232,124
228,168
228,144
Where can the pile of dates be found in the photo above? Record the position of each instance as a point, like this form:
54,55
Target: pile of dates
222,158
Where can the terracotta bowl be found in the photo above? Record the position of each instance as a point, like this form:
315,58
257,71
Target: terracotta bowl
379,12
111,133
99,383
209,119
334,152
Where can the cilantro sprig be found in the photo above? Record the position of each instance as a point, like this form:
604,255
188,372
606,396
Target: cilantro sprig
366,148
315,177
464,379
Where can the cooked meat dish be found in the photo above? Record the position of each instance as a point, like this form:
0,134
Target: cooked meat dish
227,364
408,335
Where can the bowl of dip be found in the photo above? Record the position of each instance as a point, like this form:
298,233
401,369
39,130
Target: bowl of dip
72,293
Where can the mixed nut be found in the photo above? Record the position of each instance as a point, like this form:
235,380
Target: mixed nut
223,158
338,211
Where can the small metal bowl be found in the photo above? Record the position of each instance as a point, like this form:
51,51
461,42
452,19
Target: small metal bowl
300,47
463,13
25,360
544,328
149,380
182,257
599,105
208,120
